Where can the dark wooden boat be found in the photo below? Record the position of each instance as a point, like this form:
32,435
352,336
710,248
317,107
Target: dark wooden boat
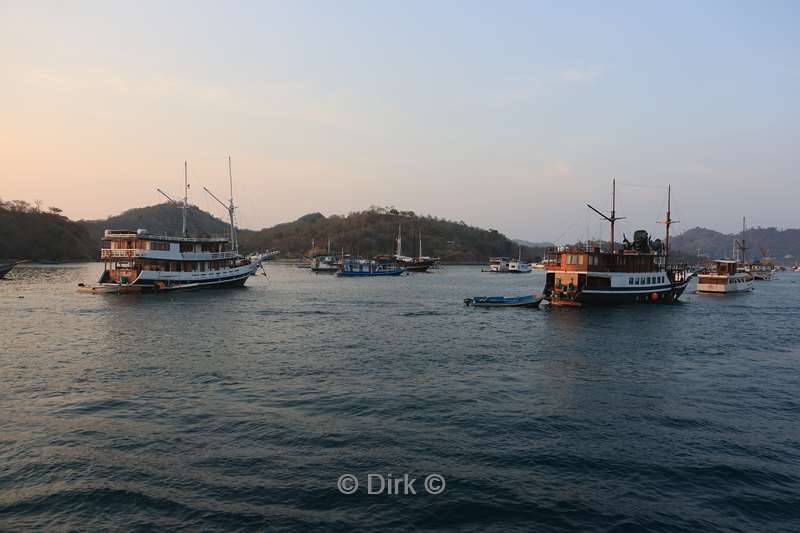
640,272
5,269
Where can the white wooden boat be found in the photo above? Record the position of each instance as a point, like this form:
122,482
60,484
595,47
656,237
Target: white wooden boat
140,261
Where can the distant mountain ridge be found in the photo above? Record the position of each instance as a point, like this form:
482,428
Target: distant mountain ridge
27,232
534,244
774,242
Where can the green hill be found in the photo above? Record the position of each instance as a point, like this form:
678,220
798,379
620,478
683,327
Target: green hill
159,218
26,232
373,232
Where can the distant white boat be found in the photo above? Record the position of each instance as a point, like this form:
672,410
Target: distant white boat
325,264
504,265
725,278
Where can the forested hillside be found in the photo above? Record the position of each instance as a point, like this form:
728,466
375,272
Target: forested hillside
159,218
29,232
374,231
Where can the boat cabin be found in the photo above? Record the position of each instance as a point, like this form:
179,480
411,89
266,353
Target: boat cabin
725,267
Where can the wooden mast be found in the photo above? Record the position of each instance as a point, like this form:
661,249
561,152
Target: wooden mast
667,223
234,237
185,195
613,218
742,245
185,205
399,251
230,207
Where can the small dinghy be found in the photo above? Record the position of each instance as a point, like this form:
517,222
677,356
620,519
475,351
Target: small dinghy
6,268
529,300
109,288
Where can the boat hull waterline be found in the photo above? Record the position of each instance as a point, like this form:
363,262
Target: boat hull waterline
393,272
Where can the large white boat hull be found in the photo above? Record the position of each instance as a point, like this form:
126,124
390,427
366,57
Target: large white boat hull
720,284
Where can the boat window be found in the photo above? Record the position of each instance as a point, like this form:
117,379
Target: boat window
161,246
630,281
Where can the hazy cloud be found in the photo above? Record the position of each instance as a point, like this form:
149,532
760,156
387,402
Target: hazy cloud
588,74
561,169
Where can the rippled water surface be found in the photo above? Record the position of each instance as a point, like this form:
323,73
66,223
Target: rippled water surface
240,409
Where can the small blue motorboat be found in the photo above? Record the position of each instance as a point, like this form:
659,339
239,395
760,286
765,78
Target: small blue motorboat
357,267
529,300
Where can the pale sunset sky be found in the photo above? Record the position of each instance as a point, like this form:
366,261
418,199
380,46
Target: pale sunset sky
509,115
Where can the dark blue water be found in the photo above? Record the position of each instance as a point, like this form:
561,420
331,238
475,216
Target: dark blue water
240,409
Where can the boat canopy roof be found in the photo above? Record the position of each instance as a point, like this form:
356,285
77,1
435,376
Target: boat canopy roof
111,234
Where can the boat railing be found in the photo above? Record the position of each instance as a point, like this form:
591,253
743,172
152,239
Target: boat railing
107,253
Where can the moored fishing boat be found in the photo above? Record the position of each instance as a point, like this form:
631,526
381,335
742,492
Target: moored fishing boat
504,265
761,273
140,261
357,267
728,276
529,300
410,264
764,270
725,277
639,272
324,264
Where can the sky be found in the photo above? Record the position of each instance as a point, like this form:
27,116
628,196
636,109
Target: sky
506,115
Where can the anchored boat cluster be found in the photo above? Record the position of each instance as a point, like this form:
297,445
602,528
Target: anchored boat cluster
638,271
